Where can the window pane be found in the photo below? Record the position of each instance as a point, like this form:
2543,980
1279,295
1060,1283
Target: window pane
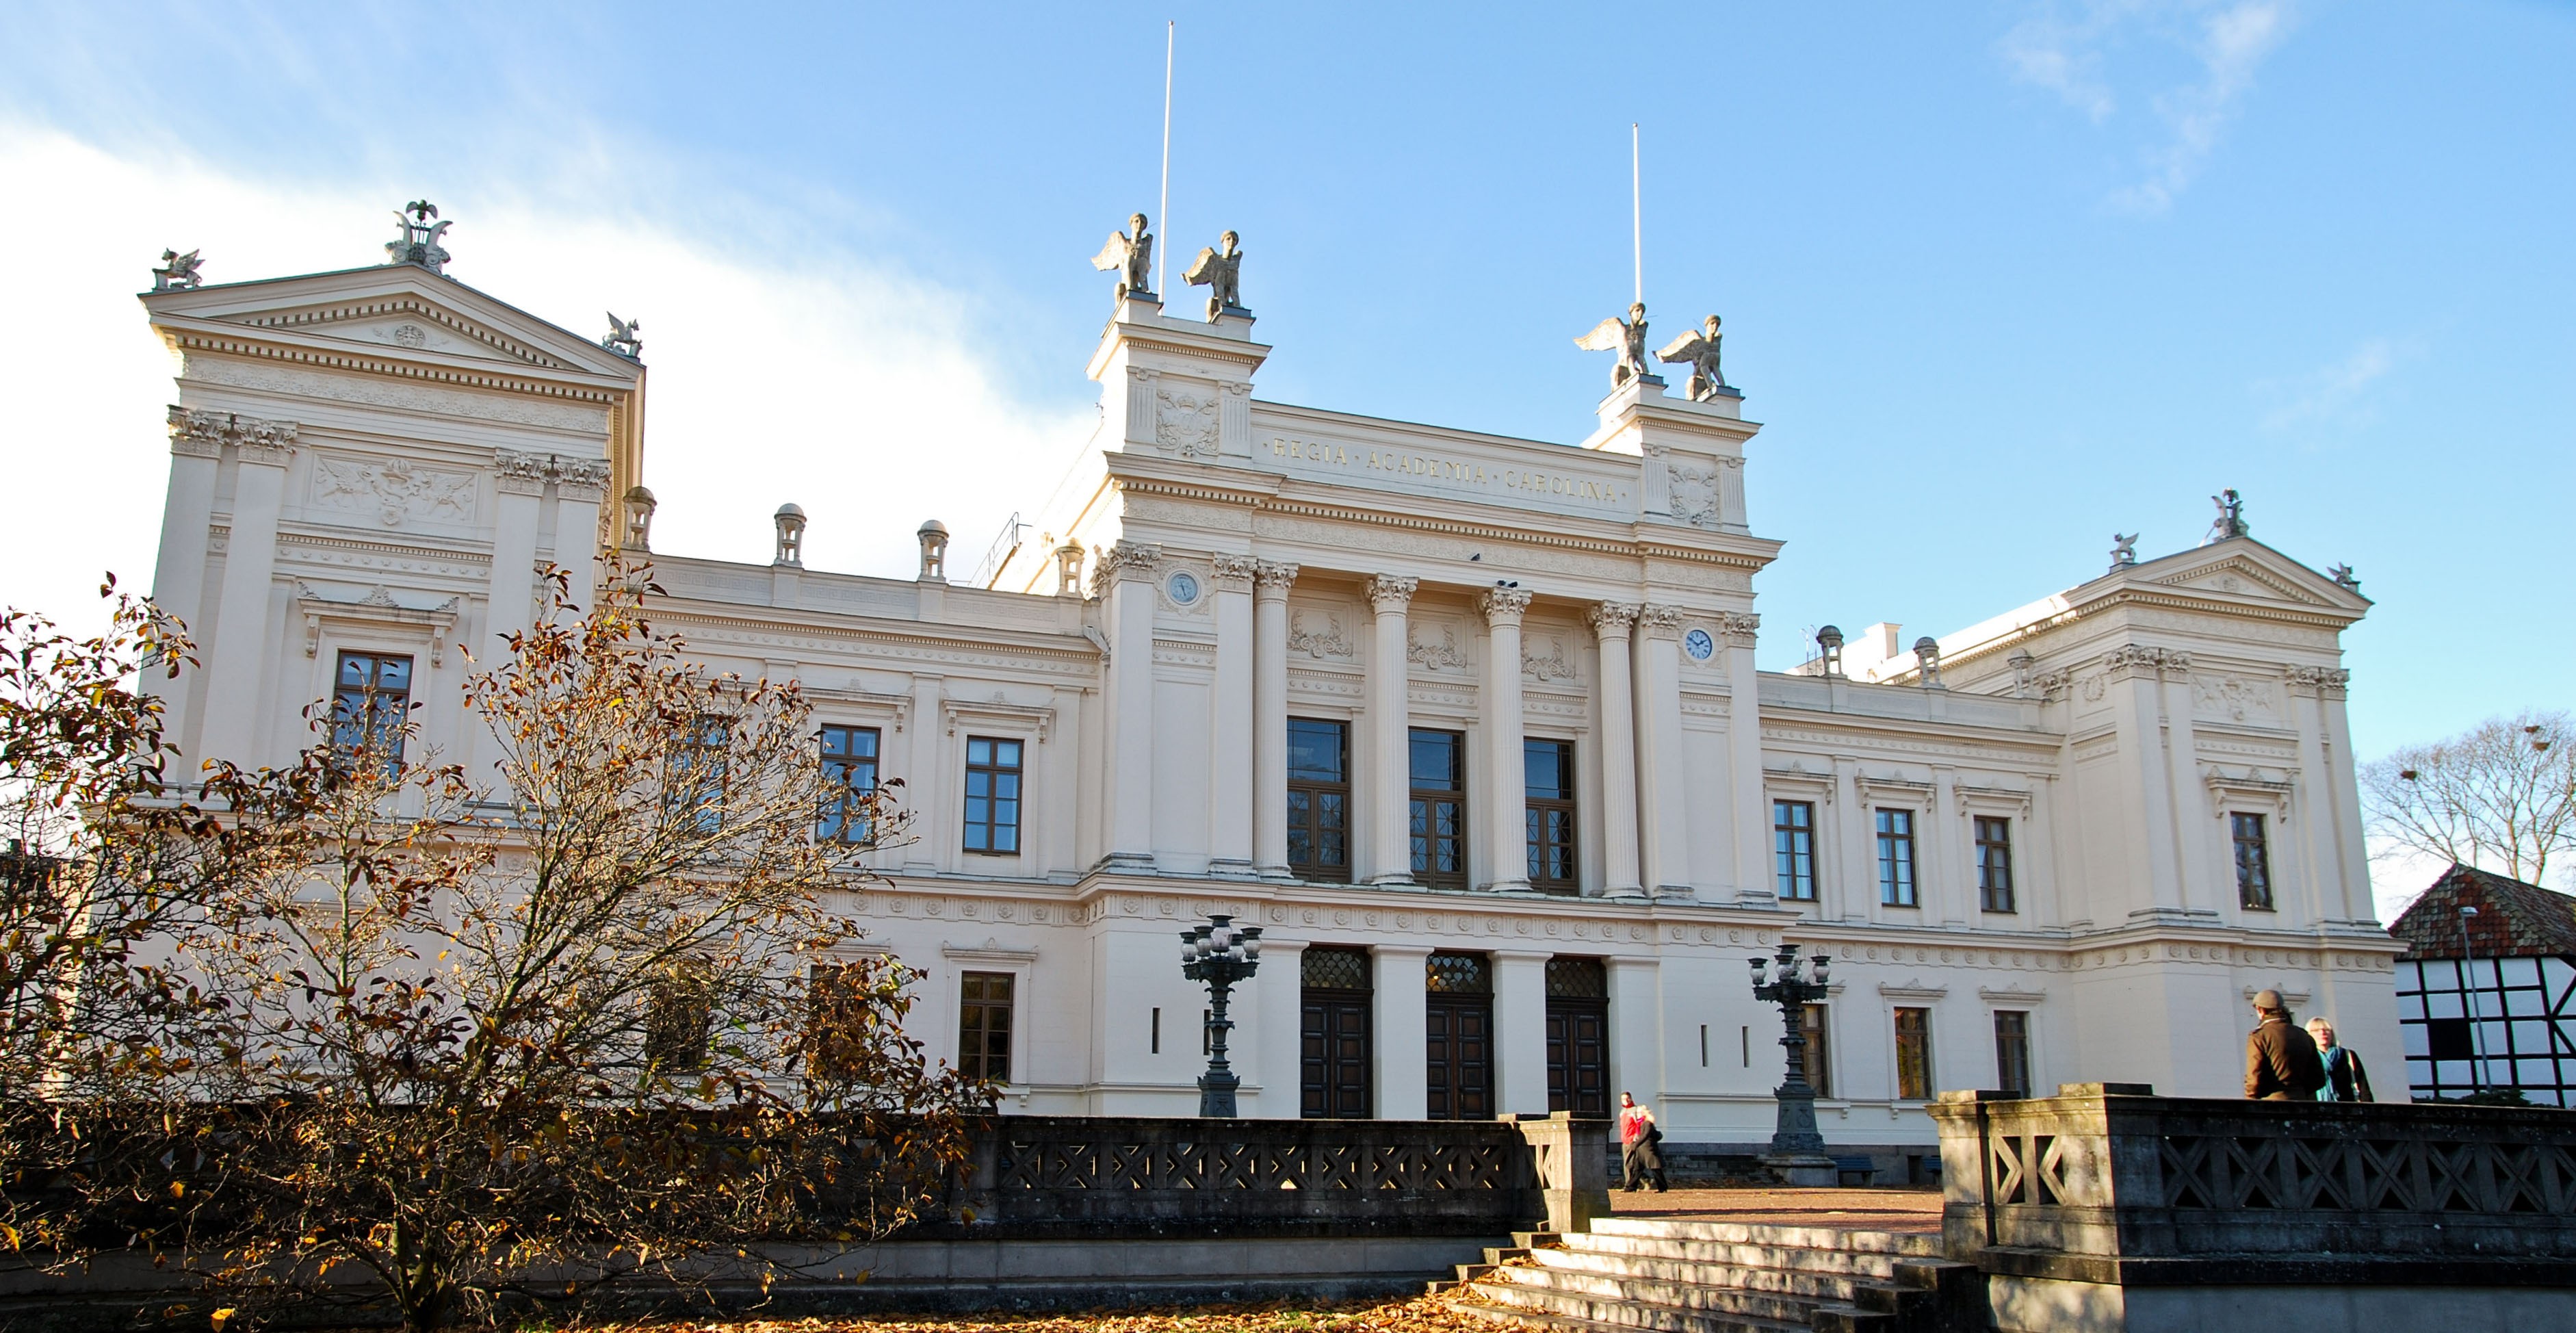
1549,769
1896,858
1914,1054
1318,751
1793,849
1820,1065
1435,761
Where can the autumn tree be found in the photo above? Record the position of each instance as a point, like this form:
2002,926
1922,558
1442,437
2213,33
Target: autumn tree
2500,796
485,1047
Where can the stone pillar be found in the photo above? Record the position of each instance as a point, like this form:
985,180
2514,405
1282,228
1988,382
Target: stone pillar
1616,722
1663,813
2328,796
934,841
1506,816
509,598
1945,881
1754,886
1270,718
1572,1158
179,576
1399,1048
1124,575
580,487
1274,1055
2137,718
1231,758
1390,776
1636,1031
1520,1032
237,658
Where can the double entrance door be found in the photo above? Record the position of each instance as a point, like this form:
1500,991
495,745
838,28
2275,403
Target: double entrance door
1338,1017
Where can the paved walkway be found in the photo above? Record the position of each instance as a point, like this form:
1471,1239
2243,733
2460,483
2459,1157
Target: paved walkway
1850,1209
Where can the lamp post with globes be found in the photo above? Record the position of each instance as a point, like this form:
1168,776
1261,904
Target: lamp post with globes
1797,1149
1220,954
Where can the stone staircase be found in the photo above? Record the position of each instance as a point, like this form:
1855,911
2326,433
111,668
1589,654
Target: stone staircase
1672,1276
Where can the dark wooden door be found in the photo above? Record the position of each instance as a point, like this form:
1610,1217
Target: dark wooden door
1334,1059
1461,1054
1578,1056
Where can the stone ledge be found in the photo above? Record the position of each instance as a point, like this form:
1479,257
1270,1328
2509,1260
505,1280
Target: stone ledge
2276,1271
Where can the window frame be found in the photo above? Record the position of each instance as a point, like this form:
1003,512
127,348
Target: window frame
386,712
978,1064
1926,1080
1422,805
1785,875
1016,773
1890,841
2004,1054
1540,850
1996,891
2253,893
1312,868
836,827
1820,1046
681,797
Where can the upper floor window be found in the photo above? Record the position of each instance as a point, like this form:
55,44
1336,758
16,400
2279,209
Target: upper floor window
1896,858
1319,798
370,701
849,779
678,1017
1793,848
1439,813
1994,864
694,779
2253,862
1548,768
992,796
984,1026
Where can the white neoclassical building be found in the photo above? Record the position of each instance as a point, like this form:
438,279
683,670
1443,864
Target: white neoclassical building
1469,724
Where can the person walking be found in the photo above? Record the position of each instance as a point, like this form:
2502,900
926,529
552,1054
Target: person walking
2281,1062
2346,1079
1640,1156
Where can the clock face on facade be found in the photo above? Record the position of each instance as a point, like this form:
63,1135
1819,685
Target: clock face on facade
1699,645
1184,588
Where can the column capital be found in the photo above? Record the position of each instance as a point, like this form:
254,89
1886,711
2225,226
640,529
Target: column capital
1123,562
1388,592
2323,682
515,473
1271,578
1515,955
1612,619
1234,573
1738,628
1504,606
204,435
581,479
1397,950
1660,621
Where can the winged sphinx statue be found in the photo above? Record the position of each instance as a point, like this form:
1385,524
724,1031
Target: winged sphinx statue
1131,258
1697,350
624,336
1627,337
178,272
1219,268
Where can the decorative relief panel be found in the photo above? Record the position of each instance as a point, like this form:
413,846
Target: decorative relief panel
2236,698
1435,647
393,491
1319,634
1185,419
1692,493
1544,658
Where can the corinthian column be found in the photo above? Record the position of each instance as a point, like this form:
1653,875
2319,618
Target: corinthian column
1124,574
1661,808
1612,622
1390,786
237,660
1230,760
1270,582
1507,798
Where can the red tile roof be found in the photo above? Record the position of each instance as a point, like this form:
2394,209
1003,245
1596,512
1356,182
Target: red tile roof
2514,920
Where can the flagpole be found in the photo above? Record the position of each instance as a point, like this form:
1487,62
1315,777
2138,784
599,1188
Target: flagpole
1163,251
1636,211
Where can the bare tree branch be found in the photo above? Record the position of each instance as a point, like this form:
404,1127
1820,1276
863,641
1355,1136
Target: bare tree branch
2500,797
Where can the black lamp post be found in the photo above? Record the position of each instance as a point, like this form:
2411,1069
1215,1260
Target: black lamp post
1797,1149
1220,954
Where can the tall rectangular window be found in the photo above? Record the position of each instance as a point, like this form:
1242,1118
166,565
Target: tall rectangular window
1439,815
693,787
1548,768
992,796
2253,863
1994,864
678,1016
1319,798
370,701
849,777
2012,1051
1820,1061
1793,848
984,1026
1914,1055
1896,858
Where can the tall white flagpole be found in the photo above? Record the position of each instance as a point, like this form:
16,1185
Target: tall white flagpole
1164,217
1636,210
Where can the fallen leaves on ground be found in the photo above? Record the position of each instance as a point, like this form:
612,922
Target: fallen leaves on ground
1420,1314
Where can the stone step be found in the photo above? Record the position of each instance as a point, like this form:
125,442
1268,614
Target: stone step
1786,1307
1915,1244
1632,1315
1862,1264
1815,1283
1498,1255
1533,1240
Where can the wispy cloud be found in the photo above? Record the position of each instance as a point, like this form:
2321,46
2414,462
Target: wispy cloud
2339,393
2225,43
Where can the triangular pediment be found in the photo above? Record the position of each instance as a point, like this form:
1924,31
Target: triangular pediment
395,310
2242,569
2243,577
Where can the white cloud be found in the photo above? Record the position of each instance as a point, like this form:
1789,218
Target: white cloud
2225,42
822,378
2337,394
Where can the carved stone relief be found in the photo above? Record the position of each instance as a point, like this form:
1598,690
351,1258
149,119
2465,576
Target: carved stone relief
394,491
1554,664
1319,634
1446,655
2235,698
1185,421
1692,494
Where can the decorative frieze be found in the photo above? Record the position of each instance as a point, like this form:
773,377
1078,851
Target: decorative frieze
393,491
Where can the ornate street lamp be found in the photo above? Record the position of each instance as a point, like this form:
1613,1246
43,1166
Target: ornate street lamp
1797,1149
1221,954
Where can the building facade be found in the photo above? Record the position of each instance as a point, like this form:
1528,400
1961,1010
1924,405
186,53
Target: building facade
2486,990
1470,725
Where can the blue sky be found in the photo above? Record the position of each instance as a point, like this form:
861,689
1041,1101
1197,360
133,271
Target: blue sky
2001,278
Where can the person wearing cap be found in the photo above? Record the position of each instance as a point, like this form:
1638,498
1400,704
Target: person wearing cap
2346,1080
2281,1061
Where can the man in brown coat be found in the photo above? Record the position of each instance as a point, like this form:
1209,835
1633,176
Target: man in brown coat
2281,1061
